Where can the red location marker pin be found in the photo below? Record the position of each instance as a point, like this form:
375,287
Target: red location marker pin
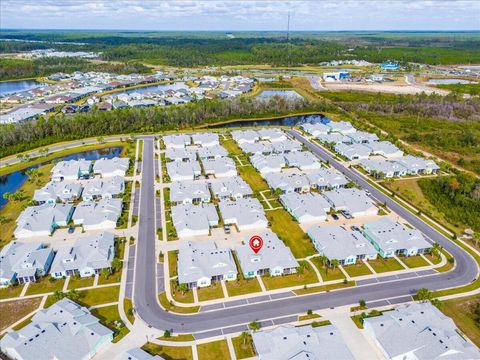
256,243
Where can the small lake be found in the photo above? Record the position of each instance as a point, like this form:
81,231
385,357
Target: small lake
13,181
285,121
450,81
11,87
287,94
155,88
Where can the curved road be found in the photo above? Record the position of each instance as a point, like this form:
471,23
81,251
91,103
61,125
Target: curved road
145,292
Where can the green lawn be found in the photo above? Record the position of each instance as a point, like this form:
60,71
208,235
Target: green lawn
449,265
321,288
243,348
179,337
211,292
172,263
186,297
381,265
77,282
11,291
99,296
243,286
253,178
328,274
308,317
215,350
358,269
169,352
461,310
276,282
109,316
128,307
414,261
113,278
231,146
44,285
290,232
162,297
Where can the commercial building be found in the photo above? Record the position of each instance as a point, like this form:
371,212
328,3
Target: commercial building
101,215
306,208
194,220
244,213
42,220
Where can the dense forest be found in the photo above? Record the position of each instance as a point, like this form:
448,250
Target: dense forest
15,138
458,197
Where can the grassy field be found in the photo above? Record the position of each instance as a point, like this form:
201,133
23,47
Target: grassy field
290,232
99,296
231,146
169,352
327,274
110,316
215,350
276,282
12,311
11,291
44,285
461,310
211,292
358,269
78,282
381,265
162,297
13,208
253,178
186,297
243,351
242,287
414,261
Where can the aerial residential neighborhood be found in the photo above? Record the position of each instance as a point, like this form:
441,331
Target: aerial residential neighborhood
259,180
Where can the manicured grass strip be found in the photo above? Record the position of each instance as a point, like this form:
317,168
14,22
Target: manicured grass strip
308,276
327,273
11,291
381,265
308,317
358,319
128,308
231,146
162,297
449,265
213,350
414,261
243,347
358,269
14,310
77,282
211,292
113,278
169,352
45,285
182,297
322,288
172,263
110,317
99,296
179,337
290,232
243,286
253,178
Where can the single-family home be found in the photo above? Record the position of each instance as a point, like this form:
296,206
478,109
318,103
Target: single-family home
105,188
418,331
231,188
111,167
202,263
42,220
304,160
181,154
274,258
86,257
417,165
315,129
393,238
342,127
362,137
24,262
189,192
62,331
337,243
194,220
181,171
288,182
256,148
71,170
267,163
324,178
272,135
385,149
333,138
99,215
220,168
353,200
305,208
176,141
245,136
354,151
245,213
383,168
55,191
211,152
205,139
303,342
286,146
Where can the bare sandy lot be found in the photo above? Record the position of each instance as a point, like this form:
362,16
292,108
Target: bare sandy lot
385,87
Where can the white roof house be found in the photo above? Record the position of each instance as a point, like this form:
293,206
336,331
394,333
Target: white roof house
326,179
245,213
274,258
392,238
354,151
205,139
24,262
245,136
64,331
335,138
352,200
138,354
103,188
99,215
417,165
337,243
234,187
384,148
181,171
188,192
272,135
55,191
383,168
343,127
201,263
288,182
181,154
71,170
176,141
42,220
86,257
304,342
111,167
267,163
286,146
304,160
315,129
194,220
305,208
362,137
220,168
256,148
419,331
212,152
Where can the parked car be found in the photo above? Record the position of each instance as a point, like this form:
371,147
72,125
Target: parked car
346,214
354,228
71,229
227,229
368,193
335,217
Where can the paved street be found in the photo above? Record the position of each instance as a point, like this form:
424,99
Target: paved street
145,292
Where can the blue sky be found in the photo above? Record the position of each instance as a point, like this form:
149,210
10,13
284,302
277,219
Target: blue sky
241,15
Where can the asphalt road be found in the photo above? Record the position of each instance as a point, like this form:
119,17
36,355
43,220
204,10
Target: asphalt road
145,293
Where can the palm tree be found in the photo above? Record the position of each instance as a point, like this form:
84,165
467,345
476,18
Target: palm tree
105,272
116,264
73,295
334,263
436,249
255,326
244,336
424,295
183,288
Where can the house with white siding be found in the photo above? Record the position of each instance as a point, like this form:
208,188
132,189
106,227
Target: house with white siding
244,213
194,220
268,163
354,151
71,170
55,191
181,171
107,168
306,208
220,168
303,160
205,139
105,188
176,141
352,200
101,215
288,182
231,188
42,220
189,192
